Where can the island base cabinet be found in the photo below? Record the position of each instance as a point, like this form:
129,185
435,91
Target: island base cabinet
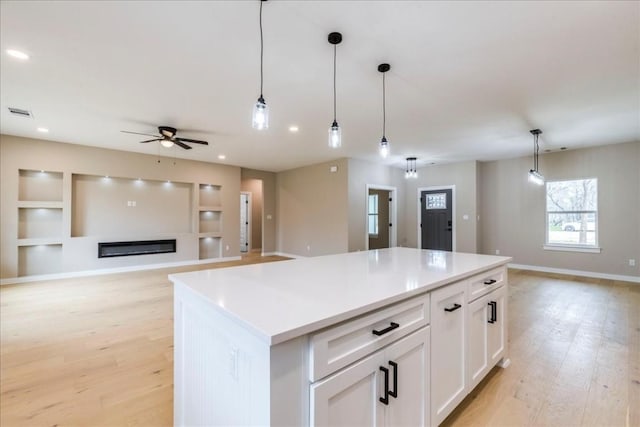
388,388
448,361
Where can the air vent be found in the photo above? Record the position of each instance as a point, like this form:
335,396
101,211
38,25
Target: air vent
20,112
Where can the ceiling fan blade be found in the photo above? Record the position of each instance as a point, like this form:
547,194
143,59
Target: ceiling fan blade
193,141
151,140
138,133
180,144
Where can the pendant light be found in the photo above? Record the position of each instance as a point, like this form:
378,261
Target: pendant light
534,175
412,169
260,110
384,144
335,133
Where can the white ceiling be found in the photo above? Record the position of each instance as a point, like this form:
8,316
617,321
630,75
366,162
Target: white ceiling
468,80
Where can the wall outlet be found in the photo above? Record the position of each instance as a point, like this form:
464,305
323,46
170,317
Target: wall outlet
497,251
465,217
269,217
308,248
227,247
632,263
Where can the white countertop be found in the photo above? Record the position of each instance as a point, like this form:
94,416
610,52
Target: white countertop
283,300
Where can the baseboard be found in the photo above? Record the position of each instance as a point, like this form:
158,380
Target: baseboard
284,254
85,273
623,278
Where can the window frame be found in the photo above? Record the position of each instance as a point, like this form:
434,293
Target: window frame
573,247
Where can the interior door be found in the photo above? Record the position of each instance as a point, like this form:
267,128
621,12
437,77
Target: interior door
379,218
436,219
244,222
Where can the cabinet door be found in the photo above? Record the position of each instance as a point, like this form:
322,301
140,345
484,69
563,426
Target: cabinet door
479,318
351,396
448,349
408,364
497,329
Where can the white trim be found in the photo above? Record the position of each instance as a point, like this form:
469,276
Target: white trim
85,273
283,254
594,250
393,214
453,212
634,279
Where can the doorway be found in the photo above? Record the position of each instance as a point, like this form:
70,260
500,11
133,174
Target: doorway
380,213
436,218
245,221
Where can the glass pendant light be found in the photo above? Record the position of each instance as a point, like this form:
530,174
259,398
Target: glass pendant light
411,172
383,147
335,132
535,176
260,109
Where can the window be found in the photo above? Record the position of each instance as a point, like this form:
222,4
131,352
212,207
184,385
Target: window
572,213
373,214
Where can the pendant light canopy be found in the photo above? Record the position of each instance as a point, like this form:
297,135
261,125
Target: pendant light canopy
412,169
260,110
335,133
534,175
383,147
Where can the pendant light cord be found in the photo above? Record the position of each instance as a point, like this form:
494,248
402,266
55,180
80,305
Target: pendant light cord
537,149
384,106
334,81
261,48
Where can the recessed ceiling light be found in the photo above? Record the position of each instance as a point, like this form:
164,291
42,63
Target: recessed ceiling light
43,130
222,156
17,54
293,129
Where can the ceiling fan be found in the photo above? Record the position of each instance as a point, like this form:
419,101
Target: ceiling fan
168,138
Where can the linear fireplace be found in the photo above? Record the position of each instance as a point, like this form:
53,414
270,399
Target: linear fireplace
139,247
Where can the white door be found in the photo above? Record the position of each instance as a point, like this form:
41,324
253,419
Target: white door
479,318
496,344
409,379
244,221
448,344
351,397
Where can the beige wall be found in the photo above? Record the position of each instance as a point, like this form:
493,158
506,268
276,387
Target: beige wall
80,253
362,173
312,209
464,177
268,220
513,210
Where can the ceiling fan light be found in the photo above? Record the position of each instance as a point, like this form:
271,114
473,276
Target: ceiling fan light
535,177
335,135
167,143
260,115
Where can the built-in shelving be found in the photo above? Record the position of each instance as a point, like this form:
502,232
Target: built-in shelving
210,221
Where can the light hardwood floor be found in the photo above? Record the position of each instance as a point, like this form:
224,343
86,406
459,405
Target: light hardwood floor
98,351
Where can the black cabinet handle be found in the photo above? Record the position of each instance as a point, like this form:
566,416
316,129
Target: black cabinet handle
454,308
394,393
490,281
391,327
494,311
385,399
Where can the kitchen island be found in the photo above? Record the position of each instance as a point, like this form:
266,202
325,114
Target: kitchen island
386,337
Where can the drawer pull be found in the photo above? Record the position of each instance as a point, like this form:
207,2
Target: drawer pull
390,328
490,282
394,393
385,399
454,308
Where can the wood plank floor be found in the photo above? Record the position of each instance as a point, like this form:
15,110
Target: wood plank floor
98,351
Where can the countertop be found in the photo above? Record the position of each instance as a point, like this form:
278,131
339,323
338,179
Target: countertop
283,300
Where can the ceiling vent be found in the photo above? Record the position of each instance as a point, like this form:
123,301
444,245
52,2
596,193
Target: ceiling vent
20,112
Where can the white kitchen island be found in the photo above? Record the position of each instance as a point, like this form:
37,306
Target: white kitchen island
386,337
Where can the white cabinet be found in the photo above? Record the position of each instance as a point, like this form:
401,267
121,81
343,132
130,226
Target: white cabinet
448,343
388,388
486,334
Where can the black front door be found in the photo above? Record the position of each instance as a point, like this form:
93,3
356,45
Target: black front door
436,220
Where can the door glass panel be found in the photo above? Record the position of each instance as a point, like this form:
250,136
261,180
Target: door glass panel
437,201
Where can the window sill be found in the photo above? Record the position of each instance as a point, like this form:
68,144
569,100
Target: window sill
587,249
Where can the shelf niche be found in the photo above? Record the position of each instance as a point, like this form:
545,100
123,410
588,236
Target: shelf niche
35,186
210,221
210,195
39,223
210,247
39,259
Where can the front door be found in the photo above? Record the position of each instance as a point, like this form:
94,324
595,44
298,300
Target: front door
436,219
